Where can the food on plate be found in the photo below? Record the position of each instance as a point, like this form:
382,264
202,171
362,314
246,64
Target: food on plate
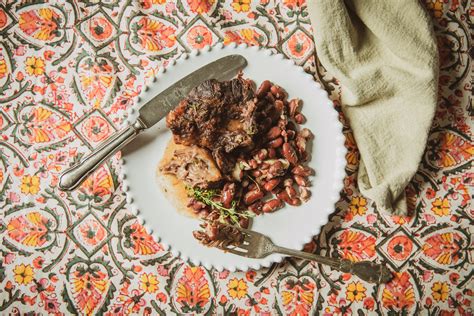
236,152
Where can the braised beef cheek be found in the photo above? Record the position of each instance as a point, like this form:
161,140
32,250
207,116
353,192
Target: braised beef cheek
218,116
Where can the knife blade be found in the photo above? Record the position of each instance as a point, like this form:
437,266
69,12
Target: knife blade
159,106
150,114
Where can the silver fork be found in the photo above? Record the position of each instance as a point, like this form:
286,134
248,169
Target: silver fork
256,245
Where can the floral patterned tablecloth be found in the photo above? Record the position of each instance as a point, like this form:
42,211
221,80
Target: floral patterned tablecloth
68,73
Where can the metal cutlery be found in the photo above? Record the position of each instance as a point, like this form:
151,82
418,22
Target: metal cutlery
256,245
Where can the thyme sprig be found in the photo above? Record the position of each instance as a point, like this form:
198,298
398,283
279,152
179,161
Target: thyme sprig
207,197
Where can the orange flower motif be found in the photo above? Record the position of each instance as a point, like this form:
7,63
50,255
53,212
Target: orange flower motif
96,78
99,184
248,36
41,24
100,28
193,290
299,43
45,127
200,6
399,294
352,155
440,291
140,241
358,205
444,248
96,129
3,18
92,231
23,274
148,283
241,5
30,229
199,36
3,68
298,297
355,292
356,246
441,207
34,66
154,35
452,149
147,4
30,184
292,4
400,247
88,288
436,7
237,288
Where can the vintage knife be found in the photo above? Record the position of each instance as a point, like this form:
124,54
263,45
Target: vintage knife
149,114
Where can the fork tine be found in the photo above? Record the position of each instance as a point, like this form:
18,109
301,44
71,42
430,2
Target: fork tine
236,252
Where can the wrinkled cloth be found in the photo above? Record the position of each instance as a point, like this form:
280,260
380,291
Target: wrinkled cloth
385,56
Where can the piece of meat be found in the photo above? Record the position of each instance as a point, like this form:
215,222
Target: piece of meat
191,164
218,116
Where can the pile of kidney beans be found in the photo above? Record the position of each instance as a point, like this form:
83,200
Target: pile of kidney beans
274,173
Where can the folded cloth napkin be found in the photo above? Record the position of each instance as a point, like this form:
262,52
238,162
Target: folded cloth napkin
385,56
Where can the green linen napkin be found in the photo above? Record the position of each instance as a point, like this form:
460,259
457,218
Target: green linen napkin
384,54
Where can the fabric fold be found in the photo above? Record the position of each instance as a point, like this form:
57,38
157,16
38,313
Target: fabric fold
385,56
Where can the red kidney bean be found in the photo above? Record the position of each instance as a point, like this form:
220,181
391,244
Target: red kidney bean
301,170
271,153
272,205
278,92
283,195
213,216
256,173
273,133
280,106
294,202
274,89
271,184
305,194
264,88
227,195
256,207
212,231
253,163
291,126
282,122
288,135
266,124
289,153
262,154
276,169
301,181
244,222
203,214
306,133
291,192
277,142
252,196
300,144
288,182
300,118
293,107
270,97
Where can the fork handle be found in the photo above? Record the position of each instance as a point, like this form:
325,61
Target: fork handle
366,270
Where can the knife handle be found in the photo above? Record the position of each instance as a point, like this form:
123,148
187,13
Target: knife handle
74,176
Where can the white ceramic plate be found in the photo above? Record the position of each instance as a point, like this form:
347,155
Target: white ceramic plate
291,226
